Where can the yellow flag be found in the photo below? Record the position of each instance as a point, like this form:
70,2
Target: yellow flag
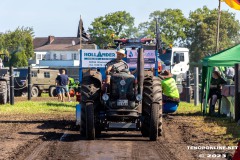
235,4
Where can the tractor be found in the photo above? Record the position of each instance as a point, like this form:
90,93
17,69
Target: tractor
4,82
129,102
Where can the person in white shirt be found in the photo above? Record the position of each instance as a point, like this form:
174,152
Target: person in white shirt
1,63
230,72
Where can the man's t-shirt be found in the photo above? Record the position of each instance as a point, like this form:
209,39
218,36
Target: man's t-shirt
62,79
117,64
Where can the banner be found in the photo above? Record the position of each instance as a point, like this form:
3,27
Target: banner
149,58
235,4
97,58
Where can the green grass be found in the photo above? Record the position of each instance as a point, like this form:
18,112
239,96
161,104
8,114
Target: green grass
33,107
224,127
188,108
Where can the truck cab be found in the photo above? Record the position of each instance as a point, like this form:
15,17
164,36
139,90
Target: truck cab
176,60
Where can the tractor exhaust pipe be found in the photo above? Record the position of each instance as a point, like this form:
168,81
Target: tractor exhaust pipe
140,70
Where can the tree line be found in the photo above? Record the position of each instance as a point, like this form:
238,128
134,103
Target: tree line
196,32
17,45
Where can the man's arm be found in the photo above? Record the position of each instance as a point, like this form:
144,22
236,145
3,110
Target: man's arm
109,68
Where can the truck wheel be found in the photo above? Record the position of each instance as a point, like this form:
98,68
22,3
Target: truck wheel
152,107
90,123
52,92
83,120
34,91
3,92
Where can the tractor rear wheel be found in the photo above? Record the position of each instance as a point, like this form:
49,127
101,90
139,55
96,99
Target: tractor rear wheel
3,92
90,122
83,120
90,98
153,133
152,107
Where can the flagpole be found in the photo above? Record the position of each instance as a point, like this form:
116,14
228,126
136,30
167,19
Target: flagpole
218,26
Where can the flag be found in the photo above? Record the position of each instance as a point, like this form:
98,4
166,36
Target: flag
235,4
81,31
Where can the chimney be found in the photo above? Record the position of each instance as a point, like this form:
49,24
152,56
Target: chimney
50,39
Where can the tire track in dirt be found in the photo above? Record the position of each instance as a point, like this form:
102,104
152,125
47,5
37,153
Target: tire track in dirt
37,150
112,145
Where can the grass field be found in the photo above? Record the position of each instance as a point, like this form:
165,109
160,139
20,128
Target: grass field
223,127
34,107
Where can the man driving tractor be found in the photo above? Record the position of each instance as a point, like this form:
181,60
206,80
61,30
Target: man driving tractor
116,65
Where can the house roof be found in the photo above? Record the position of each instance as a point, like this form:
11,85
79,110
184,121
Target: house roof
64,47
42,41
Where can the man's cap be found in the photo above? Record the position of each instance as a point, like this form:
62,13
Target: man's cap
121,51
165,74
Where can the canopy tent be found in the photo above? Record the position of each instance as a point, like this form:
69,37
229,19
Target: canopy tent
225,58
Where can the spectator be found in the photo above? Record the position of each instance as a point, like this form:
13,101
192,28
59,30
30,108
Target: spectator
215,90
62,82
169,87
1,64
230,72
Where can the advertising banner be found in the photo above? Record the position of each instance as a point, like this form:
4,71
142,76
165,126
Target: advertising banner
149,58
97,58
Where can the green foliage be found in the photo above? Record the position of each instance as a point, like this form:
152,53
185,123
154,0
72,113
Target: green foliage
19,42
203,29
172,25
19,59
111,26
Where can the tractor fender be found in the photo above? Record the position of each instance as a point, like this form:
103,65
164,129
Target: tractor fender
93,74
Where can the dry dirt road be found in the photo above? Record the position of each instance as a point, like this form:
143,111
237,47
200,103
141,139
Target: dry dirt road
56,137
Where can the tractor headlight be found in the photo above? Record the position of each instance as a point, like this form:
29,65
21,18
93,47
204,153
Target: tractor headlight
105,97
123,82
139,97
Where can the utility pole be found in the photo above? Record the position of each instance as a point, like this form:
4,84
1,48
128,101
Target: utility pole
218,26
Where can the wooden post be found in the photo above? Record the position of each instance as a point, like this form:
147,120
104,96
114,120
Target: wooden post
237,92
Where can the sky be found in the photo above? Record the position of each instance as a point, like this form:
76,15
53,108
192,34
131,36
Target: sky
60,17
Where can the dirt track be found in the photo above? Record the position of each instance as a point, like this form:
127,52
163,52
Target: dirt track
56,137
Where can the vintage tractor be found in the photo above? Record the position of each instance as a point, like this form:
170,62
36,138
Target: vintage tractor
127,103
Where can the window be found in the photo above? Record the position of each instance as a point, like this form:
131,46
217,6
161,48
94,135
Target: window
38,56
43,56
54,56
34,74
182,57
46,75
74,56
61,57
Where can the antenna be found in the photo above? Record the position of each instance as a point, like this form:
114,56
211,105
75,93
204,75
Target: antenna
73,42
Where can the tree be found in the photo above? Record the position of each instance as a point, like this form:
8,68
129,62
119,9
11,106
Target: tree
114,25
202,32
172,25
19,40
19,59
